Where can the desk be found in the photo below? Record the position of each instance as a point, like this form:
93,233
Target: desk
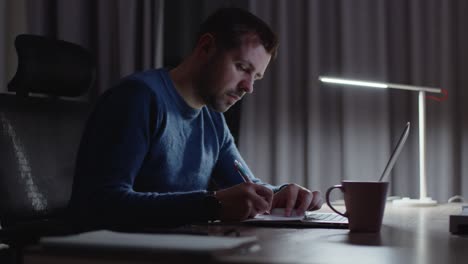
408,235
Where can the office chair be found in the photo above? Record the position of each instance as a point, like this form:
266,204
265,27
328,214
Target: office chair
41,121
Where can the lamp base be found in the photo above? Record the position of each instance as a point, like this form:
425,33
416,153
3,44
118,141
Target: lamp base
427,201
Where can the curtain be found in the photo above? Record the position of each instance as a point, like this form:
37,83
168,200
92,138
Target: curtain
12,20
124,36
295,129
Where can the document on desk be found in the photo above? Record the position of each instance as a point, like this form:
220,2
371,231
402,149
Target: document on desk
104,239
309,219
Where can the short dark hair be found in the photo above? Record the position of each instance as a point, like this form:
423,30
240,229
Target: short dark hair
228,25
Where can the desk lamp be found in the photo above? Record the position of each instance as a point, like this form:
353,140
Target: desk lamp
423,200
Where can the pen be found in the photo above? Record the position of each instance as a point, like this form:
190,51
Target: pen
243,174
241,171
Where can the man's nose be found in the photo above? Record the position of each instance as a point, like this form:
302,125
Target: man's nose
247,85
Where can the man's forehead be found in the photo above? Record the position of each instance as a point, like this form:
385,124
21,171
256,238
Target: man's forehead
253,52
251,37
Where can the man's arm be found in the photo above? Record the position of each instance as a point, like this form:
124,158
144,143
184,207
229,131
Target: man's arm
113,149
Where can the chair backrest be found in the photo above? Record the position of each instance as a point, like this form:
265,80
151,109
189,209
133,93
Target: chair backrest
52,67
40,133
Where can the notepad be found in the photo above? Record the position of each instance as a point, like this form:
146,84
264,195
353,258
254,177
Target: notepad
104,239
309,219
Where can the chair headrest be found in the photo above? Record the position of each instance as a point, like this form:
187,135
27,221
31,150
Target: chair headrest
53,67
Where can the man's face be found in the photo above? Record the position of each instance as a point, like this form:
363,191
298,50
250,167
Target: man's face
230,74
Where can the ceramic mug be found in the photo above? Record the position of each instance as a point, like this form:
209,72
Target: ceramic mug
364,203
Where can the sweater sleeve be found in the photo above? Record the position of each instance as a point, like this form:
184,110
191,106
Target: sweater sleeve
113,148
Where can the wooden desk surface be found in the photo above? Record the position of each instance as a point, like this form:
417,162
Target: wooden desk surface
408,235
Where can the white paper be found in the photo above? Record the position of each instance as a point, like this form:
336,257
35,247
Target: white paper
277,214
166,242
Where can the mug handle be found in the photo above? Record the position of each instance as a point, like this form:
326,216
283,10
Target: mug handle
345,214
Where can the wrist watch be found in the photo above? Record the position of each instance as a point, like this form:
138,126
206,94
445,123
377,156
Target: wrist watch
212,206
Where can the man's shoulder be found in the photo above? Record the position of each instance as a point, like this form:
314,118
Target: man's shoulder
153,78
137,87
151,83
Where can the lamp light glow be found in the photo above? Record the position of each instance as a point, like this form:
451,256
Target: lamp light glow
353,82
423,200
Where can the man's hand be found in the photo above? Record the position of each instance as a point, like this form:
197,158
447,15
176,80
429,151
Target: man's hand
297,197
243,201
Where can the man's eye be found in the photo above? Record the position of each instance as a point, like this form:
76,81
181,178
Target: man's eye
242,67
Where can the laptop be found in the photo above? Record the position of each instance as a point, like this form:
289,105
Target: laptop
322,219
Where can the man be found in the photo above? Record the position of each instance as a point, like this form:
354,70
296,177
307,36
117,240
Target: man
156,141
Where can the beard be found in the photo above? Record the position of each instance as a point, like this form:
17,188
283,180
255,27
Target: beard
218,102
209,89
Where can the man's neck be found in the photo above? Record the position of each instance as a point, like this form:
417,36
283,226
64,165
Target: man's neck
184,82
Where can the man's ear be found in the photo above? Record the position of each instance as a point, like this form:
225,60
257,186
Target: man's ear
206,45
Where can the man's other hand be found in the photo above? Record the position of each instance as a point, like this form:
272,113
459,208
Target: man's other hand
297,197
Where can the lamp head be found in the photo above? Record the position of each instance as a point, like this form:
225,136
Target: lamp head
352,82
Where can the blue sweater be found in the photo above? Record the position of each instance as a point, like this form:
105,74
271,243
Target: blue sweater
146,157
